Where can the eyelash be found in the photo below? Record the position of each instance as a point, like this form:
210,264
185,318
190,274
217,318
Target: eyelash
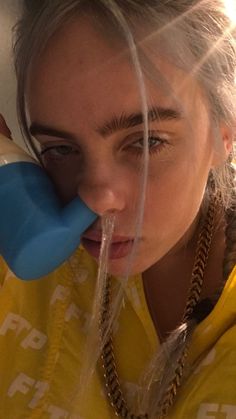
153,148
63,151
57,148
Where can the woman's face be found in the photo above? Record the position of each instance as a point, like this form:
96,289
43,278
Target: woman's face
85,112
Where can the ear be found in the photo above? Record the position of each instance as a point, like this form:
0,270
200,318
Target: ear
224,144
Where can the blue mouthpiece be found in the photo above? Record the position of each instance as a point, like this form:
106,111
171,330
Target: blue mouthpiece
37,233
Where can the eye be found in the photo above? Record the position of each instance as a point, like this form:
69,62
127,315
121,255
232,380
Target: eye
156,142
152,142
57,152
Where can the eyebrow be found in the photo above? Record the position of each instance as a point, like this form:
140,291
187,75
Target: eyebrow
41,129
122,122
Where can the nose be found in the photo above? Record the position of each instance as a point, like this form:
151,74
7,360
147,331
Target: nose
102,190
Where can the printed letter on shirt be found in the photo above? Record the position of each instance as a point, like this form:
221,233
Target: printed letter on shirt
14,322
57,413
229,411
72,311
60,293
21,384
207,410
214,410
34,340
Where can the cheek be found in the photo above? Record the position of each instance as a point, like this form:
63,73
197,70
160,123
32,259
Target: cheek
64,182
174,193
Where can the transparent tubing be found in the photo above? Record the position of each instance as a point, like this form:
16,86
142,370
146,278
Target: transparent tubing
91,354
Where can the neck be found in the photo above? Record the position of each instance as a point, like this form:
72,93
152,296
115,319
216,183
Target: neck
166,283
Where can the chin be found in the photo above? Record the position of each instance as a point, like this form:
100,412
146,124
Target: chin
124,267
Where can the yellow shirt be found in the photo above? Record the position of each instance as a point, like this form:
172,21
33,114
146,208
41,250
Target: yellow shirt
43,326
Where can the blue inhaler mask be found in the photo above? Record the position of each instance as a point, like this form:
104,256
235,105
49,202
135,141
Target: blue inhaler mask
37,233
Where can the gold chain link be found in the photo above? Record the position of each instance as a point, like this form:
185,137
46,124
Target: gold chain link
114,391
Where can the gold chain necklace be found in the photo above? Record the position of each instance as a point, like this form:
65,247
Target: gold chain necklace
114,390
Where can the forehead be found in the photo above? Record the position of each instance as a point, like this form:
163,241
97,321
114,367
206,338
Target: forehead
81,71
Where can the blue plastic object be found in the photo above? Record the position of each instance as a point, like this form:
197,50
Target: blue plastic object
37,234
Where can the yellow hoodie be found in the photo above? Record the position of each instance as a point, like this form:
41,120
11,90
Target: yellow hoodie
43,326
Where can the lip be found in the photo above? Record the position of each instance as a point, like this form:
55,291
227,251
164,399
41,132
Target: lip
120,246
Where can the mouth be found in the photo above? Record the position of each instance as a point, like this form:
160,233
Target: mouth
120,246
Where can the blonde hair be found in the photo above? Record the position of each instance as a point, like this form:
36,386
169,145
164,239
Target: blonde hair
198,36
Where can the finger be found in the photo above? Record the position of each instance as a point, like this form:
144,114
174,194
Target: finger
4,128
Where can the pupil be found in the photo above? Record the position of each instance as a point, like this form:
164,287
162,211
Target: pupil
64,149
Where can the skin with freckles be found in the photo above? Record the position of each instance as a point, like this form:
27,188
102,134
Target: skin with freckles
84,106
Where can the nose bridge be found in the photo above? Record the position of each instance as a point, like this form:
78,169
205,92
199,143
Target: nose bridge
100,186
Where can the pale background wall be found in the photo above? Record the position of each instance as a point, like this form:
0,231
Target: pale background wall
9,10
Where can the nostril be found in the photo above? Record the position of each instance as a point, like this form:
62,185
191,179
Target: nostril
102,200
109,214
